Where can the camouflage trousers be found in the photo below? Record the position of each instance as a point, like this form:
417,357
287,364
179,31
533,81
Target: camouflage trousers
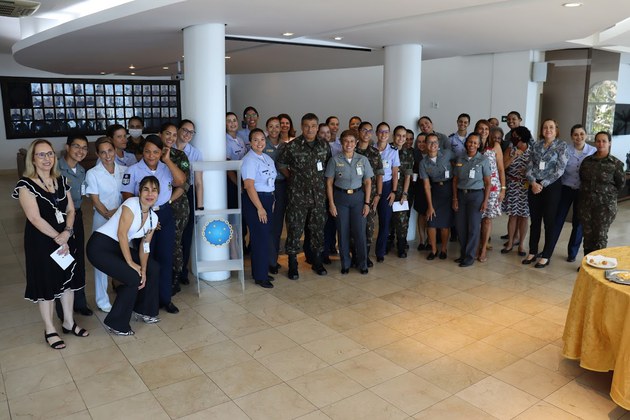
181,212
400,226
300,213
370,224
595,225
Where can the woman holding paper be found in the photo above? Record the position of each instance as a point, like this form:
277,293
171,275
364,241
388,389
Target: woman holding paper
44,196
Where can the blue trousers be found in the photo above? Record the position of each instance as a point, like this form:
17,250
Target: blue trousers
162,251
259,233
568,197
468,222
187,236
277,223
351,224
384,219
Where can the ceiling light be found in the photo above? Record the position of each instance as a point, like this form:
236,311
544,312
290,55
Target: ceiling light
227,57
103,72
287,34
133,74
338,38
132,67
573,4
165,68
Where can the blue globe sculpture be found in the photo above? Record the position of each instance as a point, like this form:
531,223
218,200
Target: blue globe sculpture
217,232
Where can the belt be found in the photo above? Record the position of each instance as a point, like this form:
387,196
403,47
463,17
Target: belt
348,191
265,193
440,182
465,191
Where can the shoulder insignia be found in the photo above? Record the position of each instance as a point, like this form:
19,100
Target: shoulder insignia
126,179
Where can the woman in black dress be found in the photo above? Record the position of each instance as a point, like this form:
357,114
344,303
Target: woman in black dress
44,196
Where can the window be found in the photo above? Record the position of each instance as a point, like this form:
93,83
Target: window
35,107
600,109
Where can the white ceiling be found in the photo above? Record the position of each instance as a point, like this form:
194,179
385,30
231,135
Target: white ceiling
148,33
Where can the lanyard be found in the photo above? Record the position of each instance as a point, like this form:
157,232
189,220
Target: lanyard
54,193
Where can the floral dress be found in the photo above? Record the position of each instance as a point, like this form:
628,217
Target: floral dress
515,202
493,209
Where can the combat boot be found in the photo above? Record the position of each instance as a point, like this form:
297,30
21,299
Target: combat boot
317,266
293,267
370,264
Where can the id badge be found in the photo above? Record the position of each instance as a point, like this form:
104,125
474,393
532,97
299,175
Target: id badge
270,182
83,189
359,171
471,174
447,174
320,166
59,216
146,247
541,166
386,164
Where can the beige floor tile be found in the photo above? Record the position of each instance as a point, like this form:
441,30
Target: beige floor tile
410,393
227,410
370,369
314,415
598,381
463,282
439,312
491,293
325,386
548,295
376,309
264,343
374,335
143,350
189,396
21,335
526,304
366,406
98,361
550,357
22,316
3,392
443,339
5,414
257,301
408,322
110,386
407,299
335,348
450,374
218,356
244,378
281,314
465,301
60,401
343,319
264,404
36,378
218,310
409,353
305,330
294,362
555,314
27,355
484,357
544,410
453,408
239,325
514,342
98,339
473,326
186,318
539,328
497,398
141,406
316,304
379,287
327,283
531,378
435,290
501,314
583,402
197,336
164,371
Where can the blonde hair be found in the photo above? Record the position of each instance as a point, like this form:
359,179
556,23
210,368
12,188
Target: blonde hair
29,170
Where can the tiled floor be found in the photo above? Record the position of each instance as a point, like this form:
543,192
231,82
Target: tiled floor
413,339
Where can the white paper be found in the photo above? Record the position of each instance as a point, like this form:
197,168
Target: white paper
63,261
400,207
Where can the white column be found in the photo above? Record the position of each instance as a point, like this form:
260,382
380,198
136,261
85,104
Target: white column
401,95
204,104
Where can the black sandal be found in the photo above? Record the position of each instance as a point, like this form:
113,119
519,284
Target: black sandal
57,345
80,333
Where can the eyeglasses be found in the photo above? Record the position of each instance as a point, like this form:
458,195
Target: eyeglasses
431,143
249,116
43,155
188,132
79,147
383,131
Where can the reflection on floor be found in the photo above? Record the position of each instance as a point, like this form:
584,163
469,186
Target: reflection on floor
413,339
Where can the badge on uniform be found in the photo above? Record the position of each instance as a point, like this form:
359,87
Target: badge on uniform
126,179
83,189
320,166
359,171
471,174
541,165
447,174
385,164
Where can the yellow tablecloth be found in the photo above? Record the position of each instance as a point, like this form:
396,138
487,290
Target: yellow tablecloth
597,330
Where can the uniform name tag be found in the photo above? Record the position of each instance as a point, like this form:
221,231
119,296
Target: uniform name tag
471,174
59,216
270,182
447,174
385,164
359,171
320,166
83,189
541,166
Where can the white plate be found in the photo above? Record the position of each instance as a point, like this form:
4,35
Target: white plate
599,261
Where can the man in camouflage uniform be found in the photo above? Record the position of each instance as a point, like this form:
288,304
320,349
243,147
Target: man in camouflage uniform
179,201
400,219
303,162
365,148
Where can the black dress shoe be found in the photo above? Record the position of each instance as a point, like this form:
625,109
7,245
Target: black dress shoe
184,280
528,261
380,259
326,259
273,269
465,263
175,289
370,264
85,311
431,256
505,236
421,247
459,260
570,259
171,308
320,270
264,283
402,254
542,265
269,278
364,271
443,255
345,270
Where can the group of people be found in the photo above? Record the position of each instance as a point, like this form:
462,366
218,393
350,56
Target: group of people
325,185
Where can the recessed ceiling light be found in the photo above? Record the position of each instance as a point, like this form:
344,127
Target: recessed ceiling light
165,68
132,67
287,34
338,38
573,4
103,72
227,57
133,74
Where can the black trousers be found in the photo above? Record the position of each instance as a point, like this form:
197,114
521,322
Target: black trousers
104,253
543,208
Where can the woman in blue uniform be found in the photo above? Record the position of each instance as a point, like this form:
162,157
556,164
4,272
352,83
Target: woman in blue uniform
391,163
348,187
169,176
259,175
